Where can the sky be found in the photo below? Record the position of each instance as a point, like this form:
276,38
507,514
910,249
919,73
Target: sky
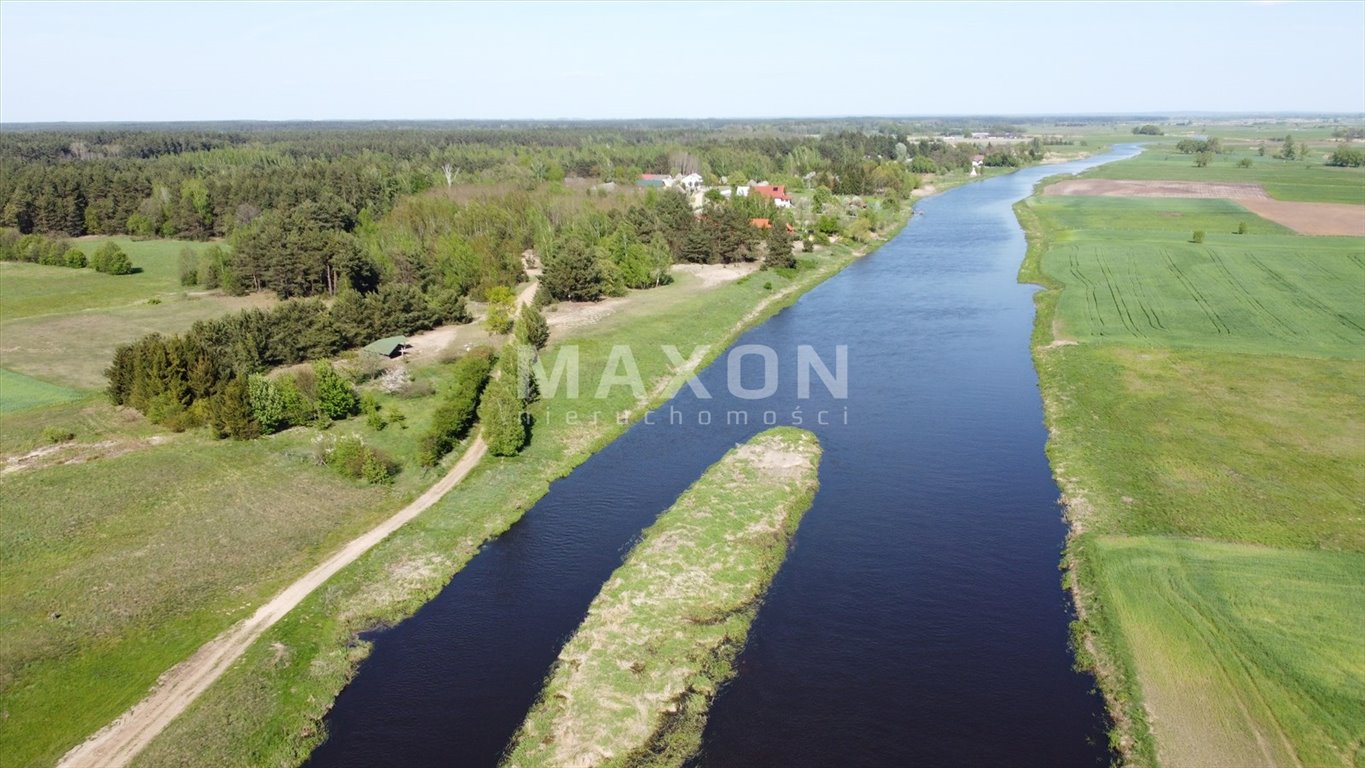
366,61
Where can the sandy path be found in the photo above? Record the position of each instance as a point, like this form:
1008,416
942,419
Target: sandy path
119,742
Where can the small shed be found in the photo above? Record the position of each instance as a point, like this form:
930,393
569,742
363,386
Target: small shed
392,346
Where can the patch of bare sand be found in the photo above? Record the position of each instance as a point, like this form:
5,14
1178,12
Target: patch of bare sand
712,275
75,453
1342,219
576,314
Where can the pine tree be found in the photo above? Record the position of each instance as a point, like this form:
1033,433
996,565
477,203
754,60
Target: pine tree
779,243
532,329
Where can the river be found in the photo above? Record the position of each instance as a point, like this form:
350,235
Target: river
919,618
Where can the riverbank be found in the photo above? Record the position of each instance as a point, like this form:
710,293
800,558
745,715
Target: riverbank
1208,459
638,676
268,708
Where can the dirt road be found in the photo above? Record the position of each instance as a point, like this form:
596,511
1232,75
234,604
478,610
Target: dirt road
118,743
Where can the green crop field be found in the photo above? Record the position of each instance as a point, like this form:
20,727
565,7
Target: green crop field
1133,276
1248,655
1302,180
1206,404
19,392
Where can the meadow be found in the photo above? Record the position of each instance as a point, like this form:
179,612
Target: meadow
61,326
1206,406
636,680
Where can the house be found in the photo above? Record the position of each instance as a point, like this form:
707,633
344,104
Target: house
392,346
691,182
656,180
768,224
775,192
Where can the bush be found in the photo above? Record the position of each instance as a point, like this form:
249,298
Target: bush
1244,163
111,260
350,456
1241,227
75,259
1347,157
336,397
58,434
1198,236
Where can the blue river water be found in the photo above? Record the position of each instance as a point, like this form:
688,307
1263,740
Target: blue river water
919,618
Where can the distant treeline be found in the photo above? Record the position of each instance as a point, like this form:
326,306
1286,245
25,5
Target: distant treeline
58,252
201,184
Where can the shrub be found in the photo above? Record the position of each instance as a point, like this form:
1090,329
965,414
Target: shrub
58,434
111,260
1244,163
1198,236
1241,227
350,456
75,259
1347,157
336,397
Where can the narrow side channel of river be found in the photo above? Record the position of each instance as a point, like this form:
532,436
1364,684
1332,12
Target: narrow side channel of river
919,620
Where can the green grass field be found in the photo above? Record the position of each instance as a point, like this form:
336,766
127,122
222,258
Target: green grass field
635,682
1206,405
1305,181
62,325
1248,655
267,709
19,392
32,289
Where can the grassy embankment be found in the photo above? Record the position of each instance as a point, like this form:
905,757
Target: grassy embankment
635,682
1207,412
267,709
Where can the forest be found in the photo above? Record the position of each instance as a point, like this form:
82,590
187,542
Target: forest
368,232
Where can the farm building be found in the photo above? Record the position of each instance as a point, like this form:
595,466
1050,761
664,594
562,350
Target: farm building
654,180
392,346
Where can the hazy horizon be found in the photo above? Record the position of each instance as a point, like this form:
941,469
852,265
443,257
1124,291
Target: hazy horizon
281,62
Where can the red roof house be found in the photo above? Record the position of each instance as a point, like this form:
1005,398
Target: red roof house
773,192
